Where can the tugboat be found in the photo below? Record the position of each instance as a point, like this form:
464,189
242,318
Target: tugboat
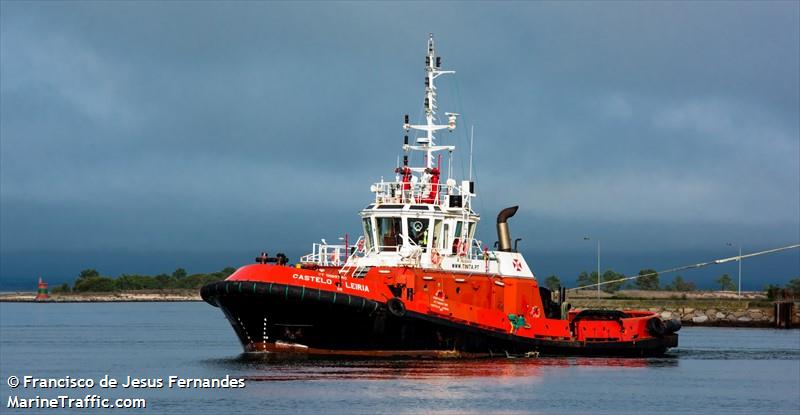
418,283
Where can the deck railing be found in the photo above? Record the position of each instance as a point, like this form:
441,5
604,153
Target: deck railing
334,255
400,192
326,254
338,255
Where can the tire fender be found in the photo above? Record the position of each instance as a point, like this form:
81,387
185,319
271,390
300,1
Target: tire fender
656,327
396,307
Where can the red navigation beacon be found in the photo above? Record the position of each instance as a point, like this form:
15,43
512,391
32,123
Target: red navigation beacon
42,293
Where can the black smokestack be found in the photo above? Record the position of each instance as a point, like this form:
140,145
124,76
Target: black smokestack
503,235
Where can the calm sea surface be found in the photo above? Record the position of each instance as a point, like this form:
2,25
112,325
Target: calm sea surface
715,370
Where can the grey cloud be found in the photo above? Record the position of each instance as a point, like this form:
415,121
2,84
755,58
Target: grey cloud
125,125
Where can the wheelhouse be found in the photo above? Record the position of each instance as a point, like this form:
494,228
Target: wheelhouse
417,227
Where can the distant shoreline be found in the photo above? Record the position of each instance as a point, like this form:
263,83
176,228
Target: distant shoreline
706,309
109,297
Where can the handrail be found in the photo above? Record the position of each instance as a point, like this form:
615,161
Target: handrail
396,192
326,254
337,255
350,263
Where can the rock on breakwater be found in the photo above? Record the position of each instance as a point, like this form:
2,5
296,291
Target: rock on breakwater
727,313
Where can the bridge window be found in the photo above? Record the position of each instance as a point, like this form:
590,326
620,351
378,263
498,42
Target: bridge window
458,229
437,232
368,237
389,230
418,232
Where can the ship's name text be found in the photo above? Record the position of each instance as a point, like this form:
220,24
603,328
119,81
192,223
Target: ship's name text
330,281
312,278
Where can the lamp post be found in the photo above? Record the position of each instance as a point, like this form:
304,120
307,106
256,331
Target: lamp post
586,238
739,260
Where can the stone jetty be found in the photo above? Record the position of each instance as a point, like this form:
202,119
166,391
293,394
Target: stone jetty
723,313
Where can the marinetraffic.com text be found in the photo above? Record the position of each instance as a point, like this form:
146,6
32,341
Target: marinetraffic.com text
83,389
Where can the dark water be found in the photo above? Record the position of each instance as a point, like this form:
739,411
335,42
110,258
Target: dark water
716,370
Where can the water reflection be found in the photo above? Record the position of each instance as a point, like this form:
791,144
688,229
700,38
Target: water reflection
270,369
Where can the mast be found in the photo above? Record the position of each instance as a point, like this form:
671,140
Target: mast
428,142
424,184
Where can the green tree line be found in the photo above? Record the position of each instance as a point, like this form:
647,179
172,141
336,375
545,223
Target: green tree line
90,280
648,280
790,290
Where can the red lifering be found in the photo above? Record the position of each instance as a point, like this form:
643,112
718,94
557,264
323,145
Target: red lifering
461,248
435,257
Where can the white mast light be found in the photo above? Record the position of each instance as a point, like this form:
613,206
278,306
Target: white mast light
451,120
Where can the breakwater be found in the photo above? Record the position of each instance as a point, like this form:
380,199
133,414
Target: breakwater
110,297
707,312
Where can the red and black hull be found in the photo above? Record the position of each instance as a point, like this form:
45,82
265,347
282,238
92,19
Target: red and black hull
264,315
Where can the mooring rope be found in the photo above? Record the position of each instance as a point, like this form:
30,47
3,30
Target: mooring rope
699,265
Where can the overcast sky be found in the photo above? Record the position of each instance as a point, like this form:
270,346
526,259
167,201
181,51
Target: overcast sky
211,127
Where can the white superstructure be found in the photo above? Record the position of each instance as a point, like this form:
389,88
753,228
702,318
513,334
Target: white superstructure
417,220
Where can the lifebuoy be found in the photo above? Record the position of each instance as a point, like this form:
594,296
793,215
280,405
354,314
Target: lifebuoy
462,248
435,257
396,307
535,312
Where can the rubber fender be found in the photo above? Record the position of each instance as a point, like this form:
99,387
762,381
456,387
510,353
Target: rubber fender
396,307
293,292
672,326
656,327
